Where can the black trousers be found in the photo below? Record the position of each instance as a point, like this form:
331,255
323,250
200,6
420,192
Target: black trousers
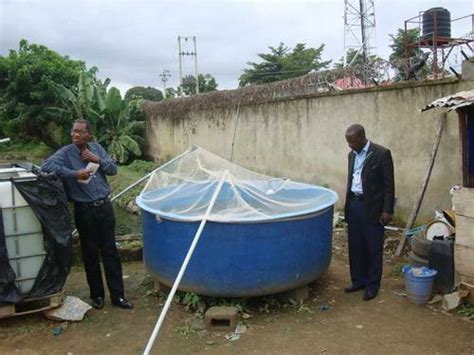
365,247
96,226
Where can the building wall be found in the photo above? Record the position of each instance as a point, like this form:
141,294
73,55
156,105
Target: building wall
303,138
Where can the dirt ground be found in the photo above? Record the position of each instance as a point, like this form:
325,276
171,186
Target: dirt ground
388,324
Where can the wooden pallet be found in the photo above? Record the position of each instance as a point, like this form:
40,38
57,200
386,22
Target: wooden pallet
32,305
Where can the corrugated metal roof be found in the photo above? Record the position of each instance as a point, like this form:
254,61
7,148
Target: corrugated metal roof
452,102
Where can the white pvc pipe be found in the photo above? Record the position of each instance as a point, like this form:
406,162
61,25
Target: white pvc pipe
5,140
184,266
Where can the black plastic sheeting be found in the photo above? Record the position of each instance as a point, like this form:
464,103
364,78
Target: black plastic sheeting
47,198
441,258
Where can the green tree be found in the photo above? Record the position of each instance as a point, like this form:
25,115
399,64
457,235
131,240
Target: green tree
206,83
28,82
170,93
146,93
365,70
408,59
283,63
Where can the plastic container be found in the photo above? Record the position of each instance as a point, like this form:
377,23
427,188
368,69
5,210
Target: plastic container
23,232
419,283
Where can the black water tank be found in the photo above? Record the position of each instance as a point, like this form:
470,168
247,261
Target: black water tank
437,20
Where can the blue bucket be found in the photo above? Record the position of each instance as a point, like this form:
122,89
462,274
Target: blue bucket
419,283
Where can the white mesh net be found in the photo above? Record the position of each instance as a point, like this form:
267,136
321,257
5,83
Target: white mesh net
182,190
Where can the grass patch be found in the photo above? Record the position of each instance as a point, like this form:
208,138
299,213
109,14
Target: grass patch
185,330
18,151
126,176
126,222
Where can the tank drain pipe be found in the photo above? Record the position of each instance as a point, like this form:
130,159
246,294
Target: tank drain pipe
74,232
184,266
5,140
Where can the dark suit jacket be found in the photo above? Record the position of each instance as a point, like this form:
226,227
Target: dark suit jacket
377,182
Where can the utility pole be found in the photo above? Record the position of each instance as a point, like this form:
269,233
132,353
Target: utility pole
181,54
164,78
196,65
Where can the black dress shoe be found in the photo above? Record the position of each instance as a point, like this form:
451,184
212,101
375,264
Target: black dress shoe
369,295
353,288
97,302
122,303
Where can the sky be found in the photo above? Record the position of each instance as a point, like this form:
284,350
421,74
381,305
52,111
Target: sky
132,42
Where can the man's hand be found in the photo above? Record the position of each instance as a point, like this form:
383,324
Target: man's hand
83,174
87,155
385,218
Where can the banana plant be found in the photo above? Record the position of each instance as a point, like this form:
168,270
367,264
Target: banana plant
108,113
122,135
87,102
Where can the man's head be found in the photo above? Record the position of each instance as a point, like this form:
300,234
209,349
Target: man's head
355,137
81,132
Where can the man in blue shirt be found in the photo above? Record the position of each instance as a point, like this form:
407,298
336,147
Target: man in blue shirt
93,211
369,207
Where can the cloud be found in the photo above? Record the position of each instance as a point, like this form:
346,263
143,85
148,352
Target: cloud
132,42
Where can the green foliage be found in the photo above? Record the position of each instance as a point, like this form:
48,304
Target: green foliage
282,63
191,300
146,93
142,166
185,330
241,304
400,49
364,69
171,93
206,83
19,150
408,59
122,136
124,178
116,123
28,81
466,310
85,100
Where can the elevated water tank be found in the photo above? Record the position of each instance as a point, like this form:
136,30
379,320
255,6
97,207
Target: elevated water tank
22,229
437,22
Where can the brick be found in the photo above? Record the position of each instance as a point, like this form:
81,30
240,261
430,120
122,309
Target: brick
221,318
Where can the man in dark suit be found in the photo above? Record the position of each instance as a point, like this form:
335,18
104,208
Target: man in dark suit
369,207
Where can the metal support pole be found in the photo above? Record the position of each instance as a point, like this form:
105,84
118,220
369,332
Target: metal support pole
184,266
363,28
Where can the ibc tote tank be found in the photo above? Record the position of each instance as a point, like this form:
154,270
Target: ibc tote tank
22,229
35,234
